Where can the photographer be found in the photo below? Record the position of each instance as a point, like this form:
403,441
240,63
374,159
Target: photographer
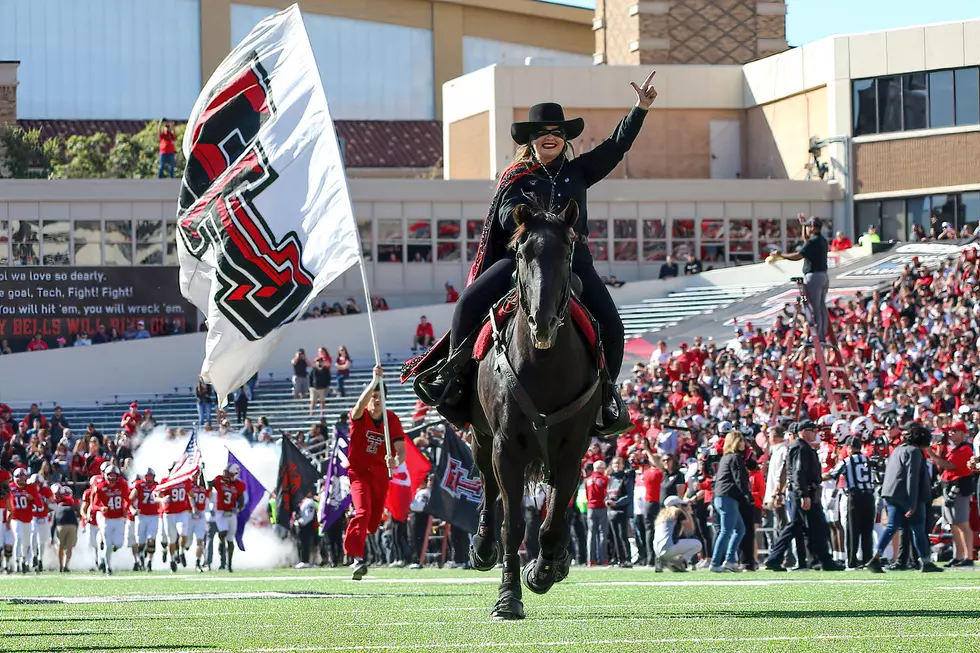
803,503
957,485
907,495
814,257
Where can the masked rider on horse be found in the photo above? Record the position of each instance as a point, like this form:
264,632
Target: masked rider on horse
544,173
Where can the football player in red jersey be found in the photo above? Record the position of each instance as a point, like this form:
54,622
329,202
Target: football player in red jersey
41,523
111,495
177,508
147,518
229,501
198,522
23,497
368,468
88,510
6,535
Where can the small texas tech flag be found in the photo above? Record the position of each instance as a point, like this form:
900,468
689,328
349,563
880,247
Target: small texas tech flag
405,480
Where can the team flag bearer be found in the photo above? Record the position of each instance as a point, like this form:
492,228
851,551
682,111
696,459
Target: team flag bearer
369,467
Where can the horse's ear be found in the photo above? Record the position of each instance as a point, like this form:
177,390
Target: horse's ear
570,214
522,214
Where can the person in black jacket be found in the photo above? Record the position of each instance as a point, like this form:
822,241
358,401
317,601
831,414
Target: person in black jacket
731,491
804,475
619,509
543,173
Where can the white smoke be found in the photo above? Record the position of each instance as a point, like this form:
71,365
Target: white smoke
263,547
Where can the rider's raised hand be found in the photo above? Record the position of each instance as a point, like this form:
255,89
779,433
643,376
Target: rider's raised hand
645,93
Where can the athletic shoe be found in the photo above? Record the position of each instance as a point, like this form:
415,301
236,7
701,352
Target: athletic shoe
415,565
173,565
897,566
397,564
108,571
734,566
774,567
136,566
626,565
800,568
930,568
703,564
833,566
359,569
678,566
183,559
718,569
874,566
955,562
966,563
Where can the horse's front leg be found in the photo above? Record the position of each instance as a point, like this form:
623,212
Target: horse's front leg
553,561
485,549
509,470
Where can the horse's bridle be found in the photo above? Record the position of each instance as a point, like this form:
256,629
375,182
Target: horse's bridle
566,291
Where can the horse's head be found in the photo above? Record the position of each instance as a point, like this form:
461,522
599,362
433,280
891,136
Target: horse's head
543,244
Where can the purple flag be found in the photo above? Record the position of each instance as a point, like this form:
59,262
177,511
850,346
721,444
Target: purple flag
253,496
335,497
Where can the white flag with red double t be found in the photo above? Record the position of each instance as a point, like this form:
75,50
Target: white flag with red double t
264,219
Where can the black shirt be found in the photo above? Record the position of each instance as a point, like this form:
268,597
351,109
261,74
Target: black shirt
732,478
300,367
692,267
814,253
668,270
65,515
668,487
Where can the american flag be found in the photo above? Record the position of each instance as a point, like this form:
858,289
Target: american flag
186,468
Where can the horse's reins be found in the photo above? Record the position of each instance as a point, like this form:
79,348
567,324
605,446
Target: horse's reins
540,423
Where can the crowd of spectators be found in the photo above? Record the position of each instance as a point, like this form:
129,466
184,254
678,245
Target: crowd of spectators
136,331
350,307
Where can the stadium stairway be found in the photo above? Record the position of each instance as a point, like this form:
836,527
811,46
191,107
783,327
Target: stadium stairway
273,395
652,315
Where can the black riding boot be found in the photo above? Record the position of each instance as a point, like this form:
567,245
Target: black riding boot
443,385
614,418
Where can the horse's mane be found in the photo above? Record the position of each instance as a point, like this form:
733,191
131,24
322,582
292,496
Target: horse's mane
539,213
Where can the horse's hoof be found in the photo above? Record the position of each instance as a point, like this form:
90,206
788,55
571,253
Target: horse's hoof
507,610
488,563
528,575
562,566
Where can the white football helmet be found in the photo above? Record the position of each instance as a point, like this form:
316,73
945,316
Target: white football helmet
233,469
841,430
863,428
825,421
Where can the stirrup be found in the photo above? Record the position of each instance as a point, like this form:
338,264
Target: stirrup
441,386
621,422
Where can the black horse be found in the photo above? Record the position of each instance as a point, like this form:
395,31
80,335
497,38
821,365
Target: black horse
534,409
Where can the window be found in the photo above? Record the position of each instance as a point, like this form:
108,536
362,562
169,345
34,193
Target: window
916,213
713,241
599,239
87,243
915,100
654,240
420,231
172,243
967,96
390,241
367,240
865,111
889,104
54,237
682,237
149,247
867,214
4,242
624,240
892,213
941,99
969,210
26,249
741,242
447,243
474,229
943,210
770,236
118,239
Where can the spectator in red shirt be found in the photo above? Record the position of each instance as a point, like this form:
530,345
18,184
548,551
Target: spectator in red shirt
652,478
598,521
451,295
424,336
131,419
37,344
840,242
957,487
168,150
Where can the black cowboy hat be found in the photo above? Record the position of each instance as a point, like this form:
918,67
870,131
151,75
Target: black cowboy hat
543,115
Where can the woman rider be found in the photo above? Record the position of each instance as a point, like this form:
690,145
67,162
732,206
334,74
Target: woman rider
543,172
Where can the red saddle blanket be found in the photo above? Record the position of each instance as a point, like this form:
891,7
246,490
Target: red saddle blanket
505,309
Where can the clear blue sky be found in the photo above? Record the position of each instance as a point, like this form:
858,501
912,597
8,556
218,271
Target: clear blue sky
809,20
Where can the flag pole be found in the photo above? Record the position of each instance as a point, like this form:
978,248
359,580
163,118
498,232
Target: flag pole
377,355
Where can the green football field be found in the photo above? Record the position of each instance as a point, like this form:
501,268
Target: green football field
443,610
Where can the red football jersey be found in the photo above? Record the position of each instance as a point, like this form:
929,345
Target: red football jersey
41,510
595,490
130,422
112,499
199,498
228,493
179,496
22,501
145,502
367,441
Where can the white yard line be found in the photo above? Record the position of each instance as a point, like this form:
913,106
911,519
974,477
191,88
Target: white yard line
152,598
593,642
730,583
